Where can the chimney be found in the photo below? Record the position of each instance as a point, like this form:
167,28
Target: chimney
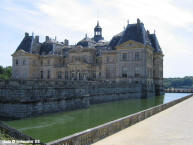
26,34
37,39
47,38
66,42
148,32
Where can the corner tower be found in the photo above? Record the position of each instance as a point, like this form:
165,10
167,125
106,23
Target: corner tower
98,33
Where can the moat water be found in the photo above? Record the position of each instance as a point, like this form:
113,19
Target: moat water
54,126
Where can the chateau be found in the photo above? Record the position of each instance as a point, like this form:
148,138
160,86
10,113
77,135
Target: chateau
133,55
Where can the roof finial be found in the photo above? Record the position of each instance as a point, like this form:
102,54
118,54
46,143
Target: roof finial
97,22
138,20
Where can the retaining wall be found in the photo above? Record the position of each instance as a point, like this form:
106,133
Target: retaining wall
95,134
27,98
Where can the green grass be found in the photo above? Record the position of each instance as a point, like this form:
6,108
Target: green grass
4,136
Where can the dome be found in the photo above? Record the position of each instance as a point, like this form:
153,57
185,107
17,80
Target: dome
86,42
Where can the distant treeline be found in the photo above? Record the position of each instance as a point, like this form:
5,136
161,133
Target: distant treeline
185,82
5,72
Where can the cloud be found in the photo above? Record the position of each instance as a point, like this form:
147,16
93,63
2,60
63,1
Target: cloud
72,19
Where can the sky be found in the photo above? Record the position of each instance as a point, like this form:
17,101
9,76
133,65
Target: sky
172,21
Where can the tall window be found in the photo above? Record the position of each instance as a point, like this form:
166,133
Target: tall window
124,56
66,75
16,62
59,75
124,72
137,56
108,59
24,62
108,74
48,76
99,74
41,62
41,74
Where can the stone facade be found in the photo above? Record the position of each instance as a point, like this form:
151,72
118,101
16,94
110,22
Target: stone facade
133,55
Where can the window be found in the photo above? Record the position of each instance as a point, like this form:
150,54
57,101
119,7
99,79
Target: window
41,74
137,56
99,74
48,76
24,62
124,72
94,75
48,62
137,75
66,75
34,62
80,76
16,62
108,59
124,56
41,62
59,75
72,75
124,75
108,74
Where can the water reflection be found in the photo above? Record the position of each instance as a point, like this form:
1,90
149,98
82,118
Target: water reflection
53,126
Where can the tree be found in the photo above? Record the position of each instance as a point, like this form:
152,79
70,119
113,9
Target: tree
5,73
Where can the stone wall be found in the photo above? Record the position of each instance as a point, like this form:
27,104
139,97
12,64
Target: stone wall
27,98
95,134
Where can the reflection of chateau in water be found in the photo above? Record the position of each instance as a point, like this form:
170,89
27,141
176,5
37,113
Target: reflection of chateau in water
133,55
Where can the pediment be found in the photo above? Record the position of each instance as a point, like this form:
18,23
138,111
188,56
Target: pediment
21,52
130,45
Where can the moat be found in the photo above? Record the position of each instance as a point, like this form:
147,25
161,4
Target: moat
53,126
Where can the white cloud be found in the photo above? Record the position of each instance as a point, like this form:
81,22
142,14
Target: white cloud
72,19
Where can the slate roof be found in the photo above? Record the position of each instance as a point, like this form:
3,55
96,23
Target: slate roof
26,44
46,48
154,43
134,32
137,33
